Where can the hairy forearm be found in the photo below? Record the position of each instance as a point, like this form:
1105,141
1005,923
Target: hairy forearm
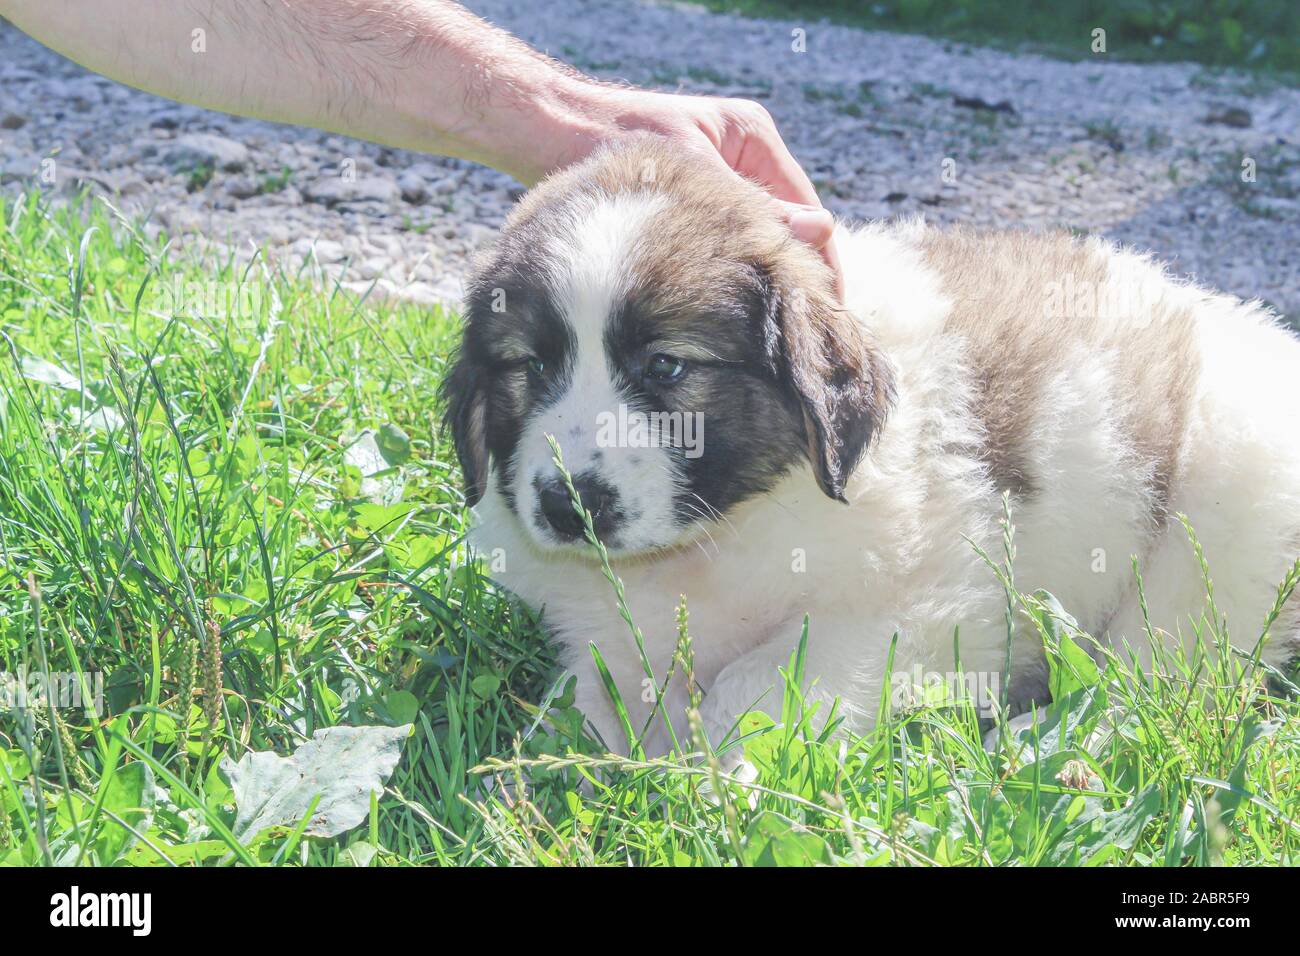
422,74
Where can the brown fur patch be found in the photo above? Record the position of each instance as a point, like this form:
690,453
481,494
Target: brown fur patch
1000,286
716,236
716,278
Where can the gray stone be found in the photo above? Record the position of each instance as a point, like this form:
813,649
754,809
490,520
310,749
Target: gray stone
243,187
413,186
206,149
327,250
333,190
372,268
17,168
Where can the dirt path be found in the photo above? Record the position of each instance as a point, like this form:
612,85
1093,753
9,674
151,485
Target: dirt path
886,125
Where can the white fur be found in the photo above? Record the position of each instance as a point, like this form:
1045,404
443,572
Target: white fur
896,560
586,276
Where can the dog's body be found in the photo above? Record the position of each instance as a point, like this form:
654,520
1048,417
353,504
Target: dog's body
1102,395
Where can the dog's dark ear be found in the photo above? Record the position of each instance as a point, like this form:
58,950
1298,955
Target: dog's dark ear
466,418
824,355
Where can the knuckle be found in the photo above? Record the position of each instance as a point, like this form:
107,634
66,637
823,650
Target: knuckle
758,113
750,114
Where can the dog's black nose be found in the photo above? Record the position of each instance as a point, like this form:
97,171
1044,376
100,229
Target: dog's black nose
596,496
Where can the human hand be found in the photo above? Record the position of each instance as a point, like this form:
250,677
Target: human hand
738,133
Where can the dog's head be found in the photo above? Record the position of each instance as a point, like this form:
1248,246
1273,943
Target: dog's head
652,313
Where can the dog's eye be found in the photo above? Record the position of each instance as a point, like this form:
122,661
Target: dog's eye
664,368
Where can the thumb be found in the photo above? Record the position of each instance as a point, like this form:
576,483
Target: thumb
810,224
816,226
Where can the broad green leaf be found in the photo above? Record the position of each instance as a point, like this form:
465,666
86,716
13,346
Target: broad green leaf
1071,667
382,518
358,854
1120,829
394,444
485,685
130,795
401,706
1046,805
775,840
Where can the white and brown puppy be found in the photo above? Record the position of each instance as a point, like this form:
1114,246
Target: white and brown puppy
744,441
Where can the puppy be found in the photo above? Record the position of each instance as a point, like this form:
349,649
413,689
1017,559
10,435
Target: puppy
743,440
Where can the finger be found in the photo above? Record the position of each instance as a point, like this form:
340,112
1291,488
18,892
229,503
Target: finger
747,137
765,158
812,225
832,257
816,227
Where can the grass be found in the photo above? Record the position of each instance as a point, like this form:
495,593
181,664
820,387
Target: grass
1261,35
185,516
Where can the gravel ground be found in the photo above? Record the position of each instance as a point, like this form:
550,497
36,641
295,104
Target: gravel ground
886,125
